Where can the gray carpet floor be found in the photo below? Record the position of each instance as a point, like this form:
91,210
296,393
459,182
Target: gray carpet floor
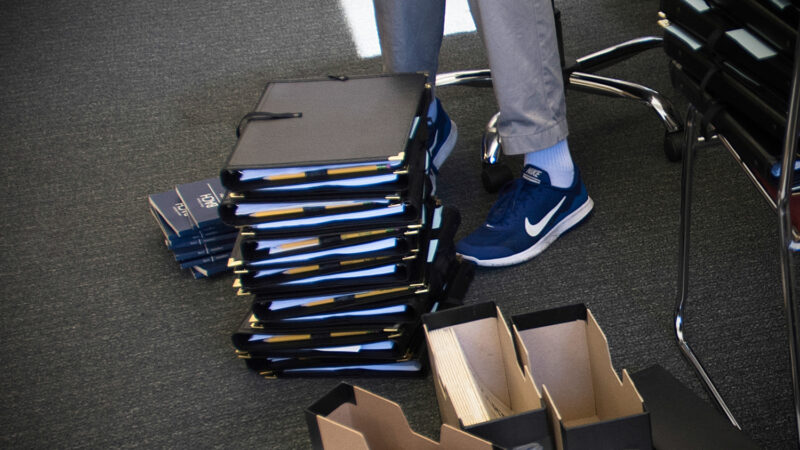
106,343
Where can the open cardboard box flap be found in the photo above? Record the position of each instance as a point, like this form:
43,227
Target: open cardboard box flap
488,345
352,418
568,357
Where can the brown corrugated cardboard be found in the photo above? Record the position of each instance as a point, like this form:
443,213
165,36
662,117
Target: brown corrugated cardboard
568,357
350,418
488,347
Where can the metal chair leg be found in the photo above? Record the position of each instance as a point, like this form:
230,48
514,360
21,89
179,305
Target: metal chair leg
787,242
611,87
690,139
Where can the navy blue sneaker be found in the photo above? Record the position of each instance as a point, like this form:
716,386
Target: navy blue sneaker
442,135
528,216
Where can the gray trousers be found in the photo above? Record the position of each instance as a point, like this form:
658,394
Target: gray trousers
521,45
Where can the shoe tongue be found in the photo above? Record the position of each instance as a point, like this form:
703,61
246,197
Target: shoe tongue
535,175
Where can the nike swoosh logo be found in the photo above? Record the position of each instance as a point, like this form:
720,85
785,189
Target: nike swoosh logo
535,230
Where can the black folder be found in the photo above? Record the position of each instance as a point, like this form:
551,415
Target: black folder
385,313
259,339
389,346
728,39
318,126
754,147
405,210
395,182
414,271
773,21
389,245
413,366
257,252
745,96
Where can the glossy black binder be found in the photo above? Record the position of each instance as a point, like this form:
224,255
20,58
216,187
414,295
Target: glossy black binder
775,21
755,147
415,365
401,211
382,183
256,252
724,37
387,312
325,125
256,338
740,94
437,256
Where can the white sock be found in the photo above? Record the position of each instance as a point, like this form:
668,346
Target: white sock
556,161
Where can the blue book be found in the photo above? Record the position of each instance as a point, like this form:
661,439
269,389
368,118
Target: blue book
217,257
199,252
202,199
179,244
209,269
170,211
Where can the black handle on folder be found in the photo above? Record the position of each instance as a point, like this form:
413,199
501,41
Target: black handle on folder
262,115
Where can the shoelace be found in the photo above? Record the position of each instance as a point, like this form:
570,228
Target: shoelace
509,194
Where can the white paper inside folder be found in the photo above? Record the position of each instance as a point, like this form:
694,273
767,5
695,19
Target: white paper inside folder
320,220
368,247
349,182
256,174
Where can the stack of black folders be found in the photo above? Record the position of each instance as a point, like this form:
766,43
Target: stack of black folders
733,60
342,245
189,218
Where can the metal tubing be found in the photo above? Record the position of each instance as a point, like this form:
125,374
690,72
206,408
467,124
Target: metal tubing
474,78
785,218
492,148
690,139
612,55
612,87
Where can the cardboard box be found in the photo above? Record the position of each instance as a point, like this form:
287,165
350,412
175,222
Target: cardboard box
351,418
488,346
591,408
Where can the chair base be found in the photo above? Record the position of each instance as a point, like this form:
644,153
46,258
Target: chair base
577,77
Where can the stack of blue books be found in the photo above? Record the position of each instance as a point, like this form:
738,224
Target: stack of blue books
342,244
189,218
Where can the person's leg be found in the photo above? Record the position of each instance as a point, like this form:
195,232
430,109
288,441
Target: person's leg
549,198
410,34
522,48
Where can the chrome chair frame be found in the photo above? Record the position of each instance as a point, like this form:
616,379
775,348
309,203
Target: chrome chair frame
578,76
789,239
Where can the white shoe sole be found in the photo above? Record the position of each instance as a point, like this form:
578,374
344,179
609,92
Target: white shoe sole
537,248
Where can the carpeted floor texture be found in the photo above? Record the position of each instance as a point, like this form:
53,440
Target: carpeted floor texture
106,343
